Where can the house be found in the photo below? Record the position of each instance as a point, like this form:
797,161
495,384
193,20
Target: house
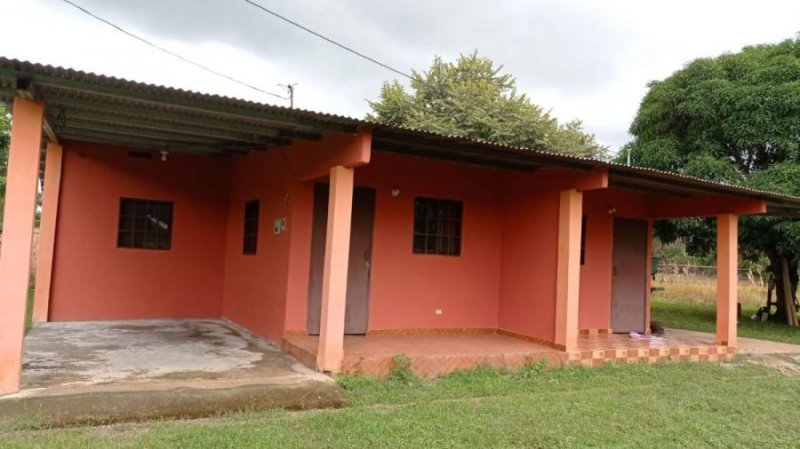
343,240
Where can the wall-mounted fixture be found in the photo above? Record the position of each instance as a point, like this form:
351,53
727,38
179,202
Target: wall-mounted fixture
612,210
279,226
395,192
164,154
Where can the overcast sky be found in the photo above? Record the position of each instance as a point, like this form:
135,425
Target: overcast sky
585,59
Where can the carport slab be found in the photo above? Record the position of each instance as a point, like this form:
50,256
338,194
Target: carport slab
112,371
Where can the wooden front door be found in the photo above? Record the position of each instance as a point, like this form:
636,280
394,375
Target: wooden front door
358,270
629,271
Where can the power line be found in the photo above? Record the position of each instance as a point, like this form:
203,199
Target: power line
342,46
171,53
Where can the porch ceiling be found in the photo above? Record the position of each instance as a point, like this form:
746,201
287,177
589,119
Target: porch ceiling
675,185
96,108
639,179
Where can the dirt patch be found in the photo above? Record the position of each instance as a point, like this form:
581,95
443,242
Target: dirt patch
786,364
185,375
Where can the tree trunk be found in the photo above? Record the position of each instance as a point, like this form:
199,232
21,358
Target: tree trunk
776,264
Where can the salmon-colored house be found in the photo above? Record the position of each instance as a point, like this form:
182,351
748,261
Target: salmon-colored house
345,241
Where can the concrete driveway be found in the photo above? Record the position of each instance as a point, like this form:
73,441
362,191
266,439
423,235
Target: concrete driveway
108,371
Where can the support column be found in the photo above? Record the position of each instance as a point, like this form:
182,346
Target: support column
15,253
568,269
47,231
334,276
648,290
727,278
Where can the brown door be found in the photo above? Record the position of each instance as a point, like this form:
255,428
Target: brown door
629,271
358,269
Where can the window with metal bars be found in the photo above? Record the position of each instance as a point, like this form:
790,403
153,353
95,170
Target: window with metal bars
144,224
437,226
250,244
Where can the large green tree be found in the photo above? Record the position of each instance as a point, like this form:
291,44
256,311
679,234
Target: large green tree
734,118
473,98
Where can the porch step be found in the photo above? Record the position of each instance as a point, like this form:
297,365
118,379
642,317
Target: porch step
132,402
433,355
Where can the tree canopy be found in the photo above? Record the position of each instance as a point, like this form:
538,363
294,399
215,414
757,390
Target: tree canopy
733,118
473,98
739,111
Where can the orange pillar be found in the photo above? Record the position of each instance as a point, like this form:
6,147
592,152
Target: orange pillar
649,282
47,231
727,278
15,253
568,269
334,277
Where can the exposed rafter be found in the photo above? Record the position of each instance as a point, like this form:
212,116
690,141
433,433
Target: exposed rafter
454,155
185,103
111,122
25,90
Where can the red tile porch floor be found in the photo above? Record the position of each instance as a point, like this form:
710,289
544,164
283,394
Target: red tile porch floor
437,354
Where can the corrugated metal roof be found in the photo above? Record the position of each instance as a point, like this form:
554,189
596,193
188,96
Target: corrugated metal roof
157,114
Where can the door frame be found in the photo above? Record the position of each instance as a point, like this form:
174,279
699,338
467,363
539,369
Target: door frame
311,296
646,272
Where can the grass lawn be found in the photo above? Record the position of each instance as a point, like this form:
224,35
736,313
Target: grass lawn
631,406
702,317
29,310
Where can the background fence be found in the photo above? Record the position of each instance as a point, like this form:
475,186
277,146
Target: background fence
672,272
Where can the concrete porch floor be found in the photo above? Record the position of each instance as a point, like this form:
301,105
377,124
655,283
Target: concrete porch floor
431,354
434,354
106,371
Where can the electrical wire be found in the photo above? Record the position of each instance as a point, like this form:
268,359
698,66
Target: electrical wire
171,53
329,40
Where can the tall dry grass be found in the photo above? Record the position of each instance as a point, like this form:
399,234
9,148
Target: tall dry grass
701,289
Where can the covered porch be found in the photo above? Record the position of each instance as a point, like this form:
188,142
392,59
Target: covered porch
564,290
436,353
470,252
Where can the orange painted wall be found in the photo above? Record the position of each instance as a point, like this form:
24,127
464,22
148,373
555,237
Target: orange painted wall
93,279
596,273
407,288
254,294
506,275
594,310
504,278
300,222
528,277
267,293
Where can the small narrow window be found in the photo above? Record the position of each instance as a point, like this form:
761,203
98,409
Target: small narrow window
437,226
250,243
583,239
144,224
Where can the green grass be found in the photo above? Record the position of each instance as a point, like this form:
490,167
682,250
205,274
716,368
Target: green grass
628,406
702,317
29,310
